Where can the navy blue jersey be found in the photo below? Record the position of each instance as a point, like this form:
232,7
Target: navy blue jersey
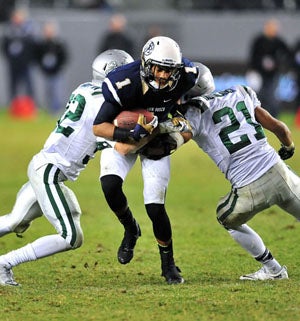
123,90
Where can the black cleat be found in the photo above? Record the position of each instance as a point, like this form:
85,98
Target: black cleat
169,270
172,275
125,251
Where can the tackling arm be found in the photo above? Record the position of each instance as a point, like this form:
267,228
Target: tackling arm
160,149
276,126
131,148
170,135
103,126
279,128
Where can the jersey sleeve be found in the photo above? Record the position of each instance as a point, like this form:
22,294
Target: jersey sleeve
107,113
253,96
111,106
109,92
193,115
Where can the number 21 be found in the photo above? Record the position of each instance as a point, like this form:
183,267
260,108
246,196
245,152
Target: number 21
235,125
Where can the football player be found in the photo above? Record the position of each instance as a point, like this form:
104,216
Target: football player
228,126
155,82
65,154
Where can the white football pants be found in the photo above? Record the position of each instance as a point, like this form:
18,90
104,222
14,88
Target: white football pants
156,173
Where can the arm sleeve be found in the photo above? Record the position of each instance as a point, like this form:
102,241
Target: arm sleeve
107,113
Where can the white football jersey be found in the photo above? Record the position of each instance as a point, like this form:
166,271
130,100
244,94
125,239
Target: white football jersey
72,143
226,129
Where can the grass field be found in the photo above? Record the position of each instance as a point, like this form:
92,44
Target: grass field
89,283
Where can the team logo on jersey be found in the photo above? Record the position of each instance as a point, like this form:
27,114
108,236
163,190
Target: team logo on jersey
149,49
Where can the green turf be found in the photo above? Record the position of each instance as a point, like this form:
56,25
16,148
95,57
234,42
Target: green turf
89,283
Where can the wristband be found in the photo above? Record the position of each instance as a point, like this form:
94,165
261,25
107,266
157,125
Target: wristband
290,147
121,134
178,138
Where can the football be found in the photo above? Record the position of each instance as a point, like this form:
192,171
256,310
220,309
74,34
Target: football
128,118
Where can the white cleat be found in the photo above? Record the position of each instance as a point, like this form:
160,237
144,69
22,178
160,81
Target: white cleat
262,275
6,276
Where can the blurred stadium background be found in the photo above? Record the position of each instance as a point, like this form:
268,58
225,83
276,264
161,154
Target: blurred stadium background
216,32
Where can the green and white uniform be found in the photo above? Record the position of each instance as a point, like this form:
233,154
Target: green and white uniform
226,129
228,132
65,154
224,126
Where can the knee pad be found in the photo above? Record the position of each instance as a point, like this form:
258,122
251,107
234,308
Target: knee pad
113,192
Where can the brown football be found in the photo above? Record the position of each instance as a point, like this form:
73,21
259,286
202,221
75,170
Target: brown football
128,118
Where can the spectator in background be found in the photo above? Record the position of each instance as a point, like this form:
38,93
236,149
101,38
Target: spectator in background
19,49
117,37
91,4
269,56
152,31
6,7
52,57
296,70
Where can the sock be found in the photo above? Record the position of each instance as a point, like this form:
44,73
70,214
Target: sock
254,245
269,262
13,258
42,247
248,239
165,248
128,221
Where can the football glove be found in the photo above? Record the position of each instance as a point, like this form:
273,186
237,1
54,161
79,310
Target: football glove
286,152
175,124
159,147
143,129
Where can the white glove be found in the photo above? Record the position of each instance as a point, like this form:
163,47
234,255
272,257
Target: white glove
175,124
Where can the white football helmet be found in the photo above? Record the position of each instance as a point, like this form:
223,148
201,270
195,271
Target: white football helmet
205,83
163,52
108,61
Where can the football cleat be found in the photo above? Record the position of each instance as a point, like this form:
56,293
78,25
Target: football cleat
126,249
6,276
170,271
263,274
172,275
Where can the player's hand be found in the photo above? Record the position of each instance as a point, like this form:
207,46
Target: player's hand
181,124
143,129
175,124
286,152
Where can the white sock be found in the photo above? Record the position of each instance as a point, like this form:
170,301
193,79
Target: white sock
272,266
268,261
13,258
248,239
254,245
42,247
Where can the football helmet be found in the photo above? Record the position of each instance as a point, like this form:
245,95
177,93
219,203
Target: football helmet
108,61
165,53
205,82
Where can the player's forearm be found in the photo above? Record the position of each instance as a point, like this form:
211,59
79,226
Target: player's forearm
279,128
105,130
284,134
133,146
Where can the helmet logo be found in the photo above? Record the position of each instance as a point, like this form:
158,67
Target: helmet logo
110,66
149,49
